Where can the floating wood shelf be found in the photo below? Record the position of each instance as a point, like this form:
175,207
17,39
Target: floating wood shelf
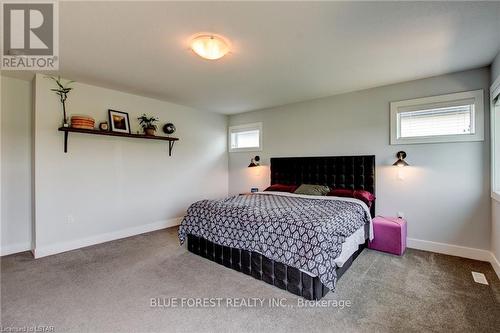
67,130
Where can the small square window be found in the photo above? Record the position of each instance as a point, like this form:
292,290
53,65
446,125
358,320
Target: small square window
446,118
245,137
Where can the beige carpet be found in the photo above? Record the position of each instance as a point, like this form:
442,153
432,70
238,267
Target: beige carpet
109,287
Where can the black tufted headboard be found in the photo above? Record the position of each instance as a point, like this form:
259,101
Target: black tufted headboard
351,172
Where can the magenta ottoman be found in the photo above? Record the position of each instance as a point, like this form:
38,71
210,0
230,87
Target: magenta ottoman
389,235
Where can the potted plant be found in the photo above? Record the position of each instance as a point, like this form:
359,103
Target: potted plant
62,91
148,124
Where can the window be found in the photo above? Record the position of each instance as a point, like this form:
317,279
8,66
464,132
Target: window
245,137
446,118
495,140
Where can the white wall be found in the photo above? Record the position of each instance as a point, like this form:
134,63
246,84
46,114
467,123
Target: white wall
495,235
16,104
495,205
115,186
446,191
495,68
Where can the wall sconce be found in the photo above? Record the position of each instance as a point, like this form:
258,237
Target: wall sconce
401,155
254,162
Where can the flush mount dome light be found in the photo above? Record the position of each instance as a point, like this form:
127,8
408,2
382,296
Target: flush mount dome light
210,46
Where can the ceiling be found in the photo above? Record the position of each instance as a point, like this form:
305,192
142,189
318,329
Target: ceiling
282,52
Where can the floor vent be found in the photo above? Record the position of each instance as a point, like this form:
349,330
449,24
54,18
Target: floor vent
479,278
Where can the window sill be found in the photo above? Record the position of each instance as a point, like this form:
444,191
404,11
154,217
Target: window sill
495,196
438,139
243,150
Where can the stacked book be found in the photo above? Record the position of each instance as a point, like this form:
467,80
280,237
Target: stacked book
84,122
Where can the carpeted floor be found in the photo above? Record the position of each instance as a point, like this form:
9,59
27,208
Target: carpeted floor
109,287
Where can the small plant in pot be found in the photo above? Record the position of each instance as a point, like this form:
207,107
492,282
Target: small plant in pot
148,124
62,91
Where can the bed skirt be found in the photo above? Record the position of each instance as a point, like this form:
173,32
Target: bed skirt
262,268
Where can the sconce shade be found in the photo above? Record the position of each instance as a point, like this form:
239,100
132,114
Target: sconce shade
400,163
401,155
254,162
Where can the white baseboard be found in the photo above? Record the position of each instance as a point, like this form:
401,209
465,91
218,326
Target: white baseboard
44,251
496,265
14,248
450,249
455,250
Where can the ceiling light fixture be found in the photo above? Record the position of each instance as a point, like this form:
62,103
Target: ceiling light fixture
210,46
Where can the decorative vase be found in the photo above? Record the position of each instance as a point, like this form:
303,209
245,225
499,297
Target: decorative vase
150,131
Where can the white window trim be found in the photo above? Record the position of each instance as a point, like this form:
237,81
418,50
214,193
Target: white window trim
252,126
477,95
495,196
494,92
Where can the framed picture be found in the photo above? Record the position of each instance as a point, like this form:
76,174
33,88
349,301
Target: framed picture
119,121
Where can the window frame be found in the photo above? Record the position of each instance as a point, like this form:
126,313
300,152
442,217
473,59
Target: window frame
439,101
494,94
244,128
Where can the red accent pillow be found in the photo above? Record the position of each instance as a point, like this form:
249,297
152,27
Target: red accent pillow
281,188
365,196
341,192
362,195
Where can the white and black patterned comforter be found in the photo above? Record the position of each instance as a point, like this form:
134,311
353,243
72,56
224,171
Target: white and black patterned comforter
306,233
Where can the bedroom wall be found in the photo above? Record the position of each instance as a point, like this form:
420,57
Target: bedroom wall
495,234
495,205
495,68
445,193
111,187
16,180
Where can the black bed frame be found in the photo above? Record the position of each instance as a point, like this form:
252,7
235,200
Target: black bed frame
347,172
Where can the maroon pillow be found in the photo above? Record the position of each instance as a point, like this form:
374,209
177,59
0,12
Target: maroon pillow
281,188
362,195
341,192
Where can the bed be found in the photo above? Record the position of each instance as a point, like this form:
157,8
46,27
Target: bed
302,244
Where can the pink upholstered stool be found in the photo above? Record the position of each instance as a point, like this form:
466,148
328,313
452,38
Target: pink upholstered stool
389,235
